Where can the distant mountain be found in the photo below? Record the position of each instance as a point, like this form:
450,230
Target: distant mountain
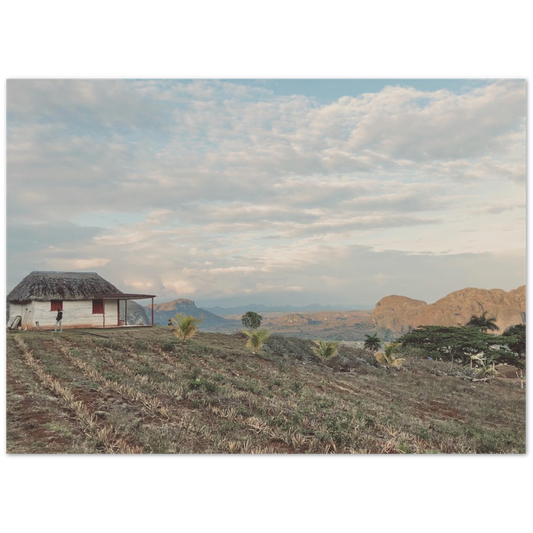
400,313
210,321
258,308
329,325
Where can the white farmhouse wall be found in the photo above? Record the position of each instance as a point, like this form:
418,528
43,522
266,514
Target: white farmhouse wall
76,314
17,309
111,312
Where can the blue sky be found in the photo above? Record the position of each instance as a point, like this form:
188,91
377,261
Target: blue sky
269,191
329,90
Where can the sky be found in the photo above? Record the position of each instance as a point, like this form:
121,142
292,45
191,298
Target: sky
276,191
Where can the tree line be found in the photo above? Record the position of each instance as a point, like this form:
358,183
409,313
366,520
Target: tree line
463,344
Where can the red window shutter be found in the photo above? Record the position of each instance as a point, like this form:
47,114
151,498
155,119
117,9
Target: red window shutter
98,307
56,305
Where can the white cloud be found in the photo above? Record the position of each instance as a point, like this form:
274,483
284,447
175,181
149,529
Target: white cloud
233,189
61,263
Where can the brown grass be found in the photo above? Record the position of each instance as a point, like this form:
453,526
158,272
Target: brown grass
139,390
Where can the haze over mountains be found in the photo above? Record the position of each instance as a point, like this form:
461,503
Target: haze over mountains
340,325
210,321
391,317
259,308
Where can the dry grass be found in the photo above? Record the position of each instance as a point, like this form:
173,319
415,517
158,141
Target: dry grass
139,390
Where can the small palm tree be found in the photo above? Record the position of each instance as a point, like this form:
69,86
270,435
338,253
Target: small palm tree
256,339
388,358
325,350
372,342
483,323
186,326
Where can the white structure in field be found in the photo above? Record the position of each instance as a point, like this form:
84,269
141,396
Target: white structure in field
86,299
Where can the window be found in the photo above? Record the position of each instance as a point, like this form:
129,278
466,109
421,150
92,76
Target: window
98,307
57,305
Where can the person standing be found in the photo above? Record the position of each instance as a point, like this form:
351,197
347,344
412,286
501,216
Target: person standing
59,318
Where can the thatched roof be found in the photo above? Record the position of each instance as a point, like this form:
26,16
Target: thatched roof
44,286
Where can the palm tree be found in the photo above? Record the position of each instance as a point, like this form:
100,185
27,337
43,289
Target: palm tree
372,342
388,358
186,326
325,350
256,339
483,323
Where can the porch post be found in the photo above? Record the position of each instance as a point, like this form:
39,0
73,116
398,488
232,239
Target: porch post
152,311
125,312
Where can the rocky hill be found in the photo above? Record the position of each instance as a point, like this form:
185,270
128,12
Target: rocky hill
210,321
399,313
137,314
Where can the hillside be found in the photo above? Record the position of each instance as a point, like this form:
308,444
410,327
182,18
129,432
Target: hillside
139,390
398,313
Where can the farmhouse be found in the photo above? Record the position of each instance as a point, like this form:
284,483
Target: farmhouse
86,299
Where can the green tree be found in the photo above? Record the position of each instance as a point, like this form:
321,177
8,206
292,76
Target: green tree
251,320
459,343
482,322
186,326
516,339
325,350
256,339
373,342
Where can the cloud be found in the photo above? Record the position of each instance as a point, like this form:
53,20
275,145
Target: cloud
219,188
440,125
68,264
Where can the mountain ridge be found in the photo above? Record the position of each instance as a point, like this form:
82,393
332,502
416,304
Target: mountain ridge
400,313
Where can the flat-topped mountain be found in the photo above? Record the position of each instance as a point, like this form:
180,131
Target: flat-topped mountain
399,313
210,321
